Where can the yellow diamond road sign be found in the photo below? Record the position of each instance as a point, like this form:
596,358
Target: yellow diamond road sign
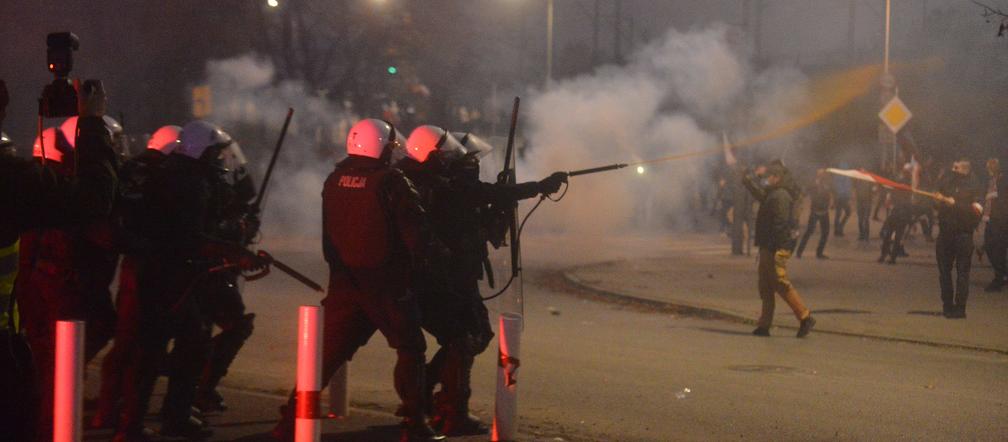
895,114
202,101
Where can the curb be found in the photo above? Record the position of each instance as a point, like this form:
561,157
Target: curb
712,313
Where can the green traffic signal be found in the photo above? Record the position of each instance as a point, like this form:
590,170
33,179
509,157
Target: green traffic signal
392,70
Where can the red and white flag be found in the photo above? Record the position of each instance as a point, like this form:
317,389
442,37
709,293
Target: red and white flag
864,175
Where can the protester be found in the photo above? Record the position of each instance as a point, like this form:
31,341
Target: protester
959,213
775,241
995,219
896,223
842,188
820,200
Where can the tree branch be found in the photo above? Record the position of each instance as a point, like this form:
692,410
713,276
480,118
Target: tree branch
996,13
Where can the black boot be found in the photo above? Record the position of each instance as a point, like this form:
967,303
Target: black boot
806,326
191,428
995,285
415,429
463,424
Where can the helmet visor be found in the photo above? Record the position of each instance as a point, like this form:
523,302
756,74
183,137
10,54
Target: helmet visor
473,143
450,148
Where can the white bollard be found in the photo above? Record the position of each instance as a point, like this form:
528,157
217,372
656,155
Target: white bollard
68,381
505,423
308,423
339,392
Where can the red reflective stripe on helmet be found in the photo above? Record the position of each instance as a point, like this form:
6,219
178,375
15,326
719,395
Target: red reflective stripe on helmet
308,406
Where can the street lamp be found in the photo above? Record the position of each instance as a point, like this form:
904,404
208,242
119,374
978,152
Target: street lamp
272,3
549,42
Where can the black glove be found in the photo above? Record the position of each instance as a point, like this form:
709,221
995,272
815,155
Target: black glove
250,227
552,183
252,263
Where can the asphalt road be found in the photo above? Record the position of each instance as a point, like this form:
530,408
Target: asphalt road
593,370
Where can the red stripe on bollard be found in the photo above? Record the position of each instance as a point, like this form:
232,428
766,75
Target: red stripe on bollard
308,424
308,405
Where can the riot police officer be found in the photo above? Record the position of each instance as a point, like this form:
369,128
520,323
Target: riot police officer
221,297
53,275
453,310
374,235
178,218
133,176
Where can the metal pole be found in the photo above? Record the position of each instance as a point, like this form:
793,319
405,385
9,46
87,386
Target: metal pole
549,42
888,16
308,425
339,393
68,382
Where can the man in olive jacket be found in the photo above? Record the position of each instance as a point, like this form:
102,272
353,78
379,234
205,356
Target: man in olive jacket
774,224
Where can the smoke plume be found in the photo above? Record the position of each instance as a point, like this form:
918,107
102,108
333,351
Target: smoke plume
676,95
251,103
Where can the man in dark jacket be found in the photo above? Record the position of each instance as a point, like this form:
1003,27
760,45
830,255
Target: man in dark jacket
863,191
774,225
959,213
996,228
899,219
820,199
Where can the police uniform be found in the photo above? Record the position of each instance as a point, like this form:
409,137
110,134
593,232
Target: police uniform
133,177
373,228
53,275
220,295
453,310
179,218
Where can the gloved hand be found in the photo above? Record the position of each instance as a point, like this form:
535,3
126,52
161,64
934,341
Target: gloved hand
250,227
551,184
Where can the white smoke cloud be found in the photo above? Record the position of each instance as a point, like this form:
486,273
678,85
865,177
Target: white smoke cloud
250,103
675,96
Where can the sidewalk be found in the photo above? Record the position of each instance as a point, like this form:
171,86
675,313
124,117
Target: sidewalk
849,293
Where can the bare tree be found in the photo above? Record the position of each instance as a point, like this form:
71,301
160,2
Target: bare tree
990,12
340,48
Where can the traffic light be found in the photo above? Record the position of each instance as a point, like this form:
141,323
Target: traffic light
392,70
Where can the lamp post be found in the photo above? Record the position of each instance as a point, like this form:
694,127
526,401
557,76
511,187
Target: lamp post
888,25
549,42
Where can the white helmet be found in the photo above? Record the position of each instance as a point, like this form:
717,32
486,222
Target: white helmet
233,157
473,144
199,136
56,145
6,145
165,139
426,139
371,138
69,128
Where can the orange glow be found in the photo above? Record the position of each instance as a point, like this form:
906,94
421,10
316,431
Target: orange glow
827,95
